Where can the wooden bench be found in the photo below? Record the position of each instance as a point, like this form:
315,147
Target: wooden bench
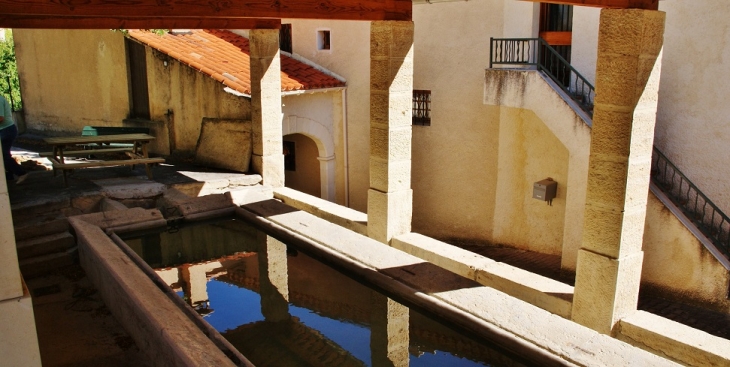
100,144
87,152
109,163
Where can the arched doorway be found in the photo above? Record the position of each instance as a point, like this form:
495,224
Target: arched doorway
323,140
301,164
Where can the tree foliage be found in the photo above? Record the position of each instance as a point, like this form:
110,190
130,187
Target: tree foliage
9,83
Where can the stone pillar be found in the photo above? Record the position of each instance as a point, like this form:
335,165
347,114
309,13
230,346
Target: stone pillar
610,259
390,198
18,338
10,284
327,171
273,279
389,339
268,157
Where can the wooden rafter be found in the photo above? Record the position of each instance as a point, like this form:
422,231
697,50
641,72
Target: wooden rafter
63,22
301,9
617,4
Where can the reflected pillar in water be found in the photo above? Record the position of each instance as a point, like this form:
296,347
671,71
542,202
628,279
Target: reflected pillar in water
195,281
389,339
390,198
273,279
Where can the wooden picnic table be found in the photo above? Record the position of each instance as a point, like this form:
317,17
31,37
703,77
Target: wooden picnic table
133,145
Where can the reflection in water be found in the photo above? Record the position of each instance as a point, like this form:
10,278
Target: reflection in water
281,310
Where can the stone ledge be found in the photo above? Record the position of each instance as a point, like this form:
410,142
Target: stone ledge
674,340
155,323
18,337
548,294
329,211
120,218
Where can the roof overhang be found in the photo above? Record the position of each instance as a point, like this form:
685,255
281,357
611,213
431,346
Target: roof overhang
149,14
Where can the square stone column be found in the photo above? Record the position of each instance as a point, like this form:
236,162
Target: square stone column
610,259
390,198
268,156
11,286
18,338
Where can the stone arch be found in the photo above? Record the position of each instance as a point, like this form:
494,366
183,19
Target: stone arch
324,139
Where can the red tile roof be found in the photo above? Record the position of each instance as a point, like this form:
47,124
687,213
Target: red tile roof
224,56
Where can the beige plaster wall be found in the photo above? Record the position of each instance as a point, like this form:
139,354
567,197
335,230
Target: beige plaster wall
693,128
677,265
71,78
529,152
454,166
306,176
531,91
348,57
181,97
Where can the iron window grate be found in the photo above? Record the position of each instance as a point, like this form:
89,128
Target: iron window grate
422,107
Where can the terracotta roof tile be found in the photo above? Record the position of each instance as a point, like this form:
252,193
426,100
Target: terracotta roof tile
224,56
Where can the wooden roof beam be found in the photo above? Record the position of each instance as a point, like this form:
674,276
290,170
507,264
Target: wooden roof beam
368,10
614,4
89,22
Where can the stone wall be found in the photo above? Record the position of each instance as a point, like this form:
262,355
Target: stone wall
71,78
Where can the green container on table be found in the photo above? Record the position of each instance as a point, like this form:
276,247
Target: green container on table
108,130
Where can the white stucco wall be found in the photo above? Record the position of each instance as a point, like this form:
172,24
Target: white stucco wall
319,116
348,57
583,52
693,123
521,19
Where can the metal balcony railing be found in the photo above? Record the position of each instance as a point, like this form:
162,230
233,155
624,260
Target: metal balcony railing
705,215
536,52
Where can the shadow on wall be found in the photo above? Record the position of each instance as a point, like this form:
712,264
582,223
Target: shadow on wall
301,164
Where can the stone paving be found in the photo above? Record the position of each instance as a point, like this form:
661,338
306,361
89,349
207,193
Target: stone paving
712,322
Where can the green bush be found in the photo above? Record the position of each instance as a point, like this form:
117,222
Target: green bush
9,83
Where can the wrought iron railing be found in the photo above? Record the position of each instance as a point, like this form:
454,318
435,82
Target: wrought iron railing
536,52
705,215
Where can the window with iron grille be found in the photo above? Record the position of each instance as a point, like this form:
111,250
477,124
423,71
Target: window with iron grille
422,107
285,43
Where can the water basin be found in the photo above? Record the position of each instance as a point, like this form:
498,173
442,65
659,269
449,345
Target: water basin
280,307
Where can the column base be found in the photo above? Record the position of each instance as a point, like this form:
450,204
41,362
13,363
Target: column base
606,289
389,214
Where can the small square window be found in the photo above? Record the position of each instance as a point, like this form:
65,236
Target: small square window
422,107
285,43
323,39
